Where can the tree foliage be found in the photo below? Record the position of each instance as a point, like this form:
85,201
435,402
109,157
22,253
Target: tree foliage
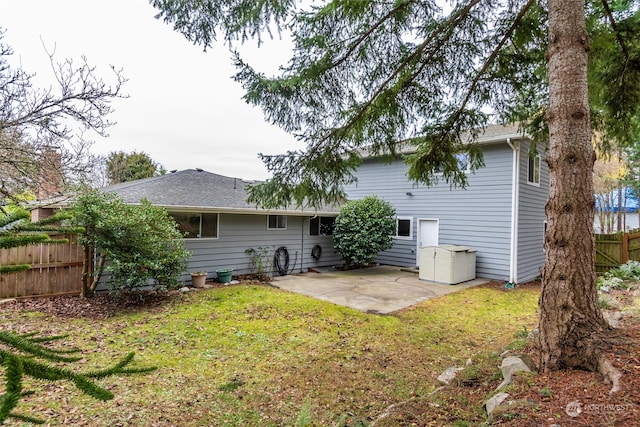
123,167
367,74
137,245
16,230
39,138
28,355
367,77
363,229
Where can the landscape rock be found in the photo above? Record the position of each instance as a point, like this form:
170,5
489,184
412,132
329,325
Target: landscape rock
185,289
233,282
449,375
613,318
491,404
512,364
509,406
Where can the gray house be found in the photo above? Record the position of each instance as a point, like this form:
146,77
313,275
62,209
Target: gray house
500,214
219,225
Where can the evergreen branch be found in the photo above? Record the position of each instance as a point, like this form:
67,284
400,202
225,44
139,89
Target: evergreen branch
13,218
17,241
370,31
26,345
118,368
614,27
17,365
446,26
494,54
57,217
5,269
13,386
26,418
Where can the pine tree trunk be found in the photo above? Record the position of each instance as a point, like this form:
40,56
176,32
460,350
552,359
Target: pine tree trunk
570,318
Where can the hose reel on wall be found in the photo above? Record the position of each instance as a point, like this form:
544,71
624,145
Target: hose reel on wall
316,252
281,260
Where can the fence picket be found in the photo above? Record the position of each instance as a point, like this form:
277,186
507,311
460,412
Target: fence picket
613,250
55,269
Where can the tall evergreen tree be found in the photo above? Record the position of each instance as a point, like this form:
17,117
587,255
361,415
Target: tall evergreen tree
368,74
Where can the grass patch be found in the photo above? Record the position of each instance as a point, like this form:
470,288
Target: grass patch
254,355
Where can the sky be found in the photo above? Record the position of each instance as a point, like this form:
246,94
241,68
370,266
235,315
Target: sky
184,110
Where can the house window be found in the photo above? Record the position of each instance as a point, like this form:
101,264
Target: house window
534,168
322,226
276,222
463,161
404,228
196,226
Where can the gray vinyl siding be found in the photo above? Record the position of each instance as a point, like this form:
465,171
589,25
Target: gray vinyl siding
478,217
531,217
238,232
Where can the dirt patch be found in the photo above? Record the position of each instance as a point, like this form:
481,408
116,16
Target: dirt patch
102,305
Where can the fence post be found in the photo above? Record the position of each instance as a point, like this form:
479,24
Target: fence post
625,248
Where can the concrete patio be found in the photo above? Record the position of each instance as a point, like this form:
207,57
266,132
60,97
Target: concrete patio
382,289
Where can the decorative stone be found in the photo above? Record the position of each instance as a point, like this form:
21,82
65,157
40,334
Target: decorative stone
449,375
512,364
233,282
491,404
509,407
613,318
185,289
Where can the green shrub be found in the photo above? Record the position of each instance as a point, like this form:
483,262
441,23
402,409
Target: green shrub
622,277
363,229
138,245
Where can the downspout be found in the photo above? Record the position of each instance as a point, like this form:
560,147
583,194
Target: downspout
302,238
515,195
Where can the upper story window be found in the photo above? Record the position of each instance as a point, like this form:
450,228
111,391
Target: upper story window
196,225
404,228
322,226
533,176
276,222
463,162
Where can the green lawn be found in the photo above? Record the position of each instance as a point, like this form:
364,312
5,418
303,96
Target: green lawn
252,355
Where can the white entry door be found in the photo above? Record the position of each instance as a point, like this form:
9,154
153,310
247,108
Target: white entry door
427,235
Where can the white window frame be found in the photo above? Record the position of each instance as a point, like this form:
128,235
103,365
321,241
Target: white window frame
277,222
533,160
404,218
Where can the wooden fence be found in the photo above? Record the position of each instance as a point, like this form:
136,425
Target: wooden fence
56,269
615,249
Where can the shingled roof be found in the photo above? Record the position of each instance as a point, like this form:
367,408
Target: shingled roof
196,189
